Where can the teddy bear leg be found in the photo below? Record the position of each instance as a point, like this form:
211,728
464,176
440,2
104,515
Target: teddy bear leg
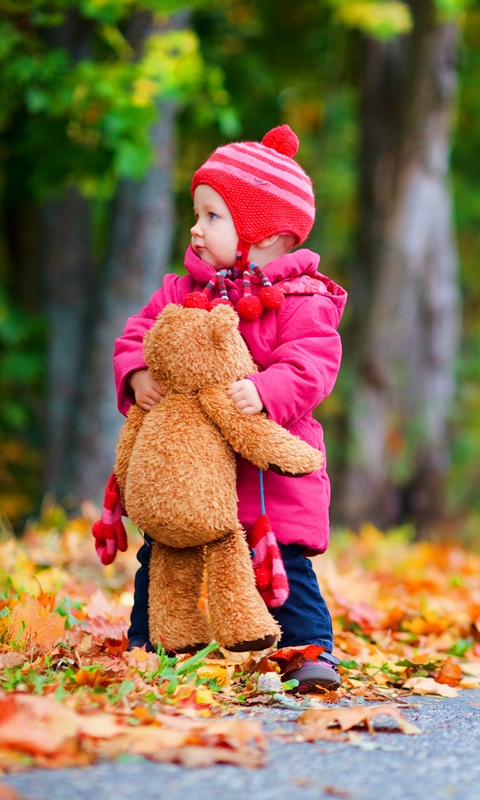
239,618
175,619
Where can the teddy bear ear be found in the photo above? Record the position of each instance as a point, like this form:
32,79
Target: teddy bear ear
223,322
171,312
167,316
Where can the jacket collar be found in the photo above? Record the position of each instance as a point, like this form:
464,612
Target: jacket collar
291,265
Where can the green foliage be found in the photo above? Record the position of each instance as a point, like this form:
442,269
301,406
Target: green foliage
382,20
85,120
465,470
21,346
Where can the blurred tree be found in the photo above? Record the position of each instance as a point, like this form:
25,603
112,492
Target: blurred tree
138,253
88,94
405,280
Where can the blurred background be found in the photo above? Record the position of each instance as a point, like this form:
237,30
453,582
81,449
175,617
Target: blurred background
106,109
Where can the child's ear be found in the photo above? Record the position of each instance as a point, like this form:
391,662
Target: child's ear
223,321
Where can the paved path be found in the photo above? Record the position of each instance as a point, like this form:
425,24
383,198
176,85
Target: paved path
441,764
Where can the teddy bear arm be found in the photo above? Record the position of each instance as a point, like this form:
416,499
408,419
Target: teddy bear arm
126,441
257,438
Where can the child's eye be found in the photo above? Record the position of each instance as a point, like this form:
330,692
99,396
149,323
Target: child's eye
211,215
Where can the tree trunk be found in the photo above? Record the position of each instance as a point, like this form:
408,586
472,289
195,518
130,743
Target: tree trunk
140,246
67,271
405,290
139,251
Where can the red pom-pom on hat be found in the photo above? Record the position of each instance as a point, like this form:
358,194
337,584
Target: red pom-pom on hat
271,297
196,300
249,308
283,140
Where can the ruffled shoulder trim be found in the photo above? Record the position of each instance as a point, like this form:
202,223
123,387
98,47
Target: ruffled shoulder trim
303,284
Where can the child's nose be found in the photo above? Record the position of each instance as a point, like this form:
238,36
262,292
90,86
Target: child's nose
196,230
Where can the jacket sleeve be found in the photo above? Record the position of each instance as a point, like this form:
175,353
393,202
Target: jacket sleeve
305,361
128,348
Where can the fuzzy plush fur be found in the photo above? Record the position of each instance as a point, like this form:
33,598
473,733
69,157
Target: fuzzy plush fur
176,470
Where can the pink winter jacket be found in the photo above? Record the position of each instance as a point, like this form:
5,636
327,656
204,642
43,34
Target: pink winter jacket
297,350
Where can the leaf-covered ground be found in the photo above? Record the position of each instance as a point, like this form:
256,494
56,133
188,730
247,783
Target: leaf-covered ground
406,619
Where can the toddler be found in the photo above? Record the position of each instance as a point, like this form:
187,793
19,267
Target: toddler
252,204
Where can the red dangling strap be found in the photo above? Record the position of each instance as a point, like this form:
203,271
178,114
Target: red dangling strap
109,532
270,575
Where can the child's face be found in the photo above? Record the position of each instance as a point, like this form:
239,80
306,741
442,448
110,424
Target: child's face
214,237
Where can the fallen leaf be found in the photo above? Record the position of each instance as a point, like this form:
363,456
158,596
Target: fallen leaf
469,683
213,672
12,659
450,673
31,624
471,668
193,756
425,686
99,726
318,721
334,792
9,793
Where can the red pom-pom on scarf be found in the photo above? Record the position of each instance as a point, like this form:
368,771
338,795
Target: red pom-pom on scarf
220,301
196,300
271,297
249,307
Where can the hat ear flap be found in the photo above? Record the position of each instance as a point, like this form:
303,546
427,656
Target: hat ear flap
223,322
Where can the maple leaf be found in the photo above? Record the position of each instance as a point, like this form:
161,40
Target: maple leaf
32,624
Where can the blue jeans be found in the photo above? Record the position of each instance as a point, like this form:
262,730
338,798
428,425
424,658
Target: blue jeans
304,618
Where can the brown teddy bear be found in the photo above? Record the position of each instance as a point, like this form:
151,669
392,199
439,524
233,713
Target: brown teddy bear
176,472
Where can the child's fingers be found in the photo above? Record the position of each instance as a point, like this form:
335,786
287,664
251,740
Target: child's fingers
146,400
156,387
249,410
154,394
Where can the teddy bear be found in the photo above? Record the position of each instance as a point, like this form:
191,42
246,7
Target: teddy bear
176,472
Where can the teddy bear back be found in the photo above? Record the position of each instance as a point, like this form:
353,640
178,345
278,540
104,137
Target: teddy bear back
189,349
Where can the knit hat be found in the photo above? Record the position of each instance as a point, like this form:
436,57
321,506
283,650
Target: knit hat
266,191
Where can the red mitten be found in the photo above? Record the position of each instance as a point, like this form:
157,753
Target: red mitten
109,532
270,575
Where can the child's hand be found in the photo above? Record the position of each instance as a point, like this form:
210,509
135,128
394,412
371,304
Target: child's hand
245,396
148,391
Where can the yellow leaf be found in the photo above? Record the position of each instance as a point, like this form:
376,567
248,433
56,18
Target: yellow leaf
213,672
205,697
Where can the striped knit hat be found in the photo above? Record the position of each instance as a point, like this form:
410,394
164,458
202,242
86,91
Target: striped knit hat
266,191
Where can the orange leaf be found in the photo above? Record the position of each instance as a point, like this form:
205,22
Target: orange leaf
450,673
290,658
31,624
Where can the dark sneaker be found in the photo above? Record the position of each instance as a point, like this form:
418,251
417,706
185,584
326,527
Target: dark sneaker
320,675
